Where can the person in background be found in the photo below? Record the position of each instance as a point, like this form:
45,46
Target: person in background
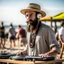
11,36
41,39
2,35
21,35
61,33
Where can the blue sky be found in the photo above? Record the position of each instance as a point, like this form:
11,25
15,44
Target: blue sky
10,9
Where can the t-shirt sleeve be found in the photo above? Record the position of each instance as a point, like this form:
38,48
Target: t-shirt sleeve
60,32
53,44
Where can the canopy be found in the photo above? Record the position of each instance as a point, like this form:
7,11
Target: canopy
58,17
47,18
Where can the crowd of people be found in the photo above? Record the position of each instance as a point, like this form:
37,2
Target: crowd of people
11,36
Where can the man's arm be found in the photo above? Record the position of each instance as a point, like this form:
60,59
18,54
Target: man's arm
22,52
52,52
60,38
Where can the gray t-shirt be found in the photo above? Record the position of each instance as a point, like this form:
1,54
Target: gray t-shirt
44,42
11,32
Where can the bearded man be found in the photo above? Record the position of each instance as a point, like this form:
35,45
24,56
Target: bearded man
40,37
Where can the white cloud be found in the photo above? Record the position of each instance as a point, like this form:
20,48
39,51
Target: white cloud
52,10
11,14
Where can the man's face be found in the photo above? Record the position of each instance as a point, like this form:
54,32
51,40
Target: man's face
31,20
30,17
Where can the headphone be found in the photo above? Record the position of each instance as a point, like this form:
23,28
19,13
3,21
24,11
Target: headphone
39,15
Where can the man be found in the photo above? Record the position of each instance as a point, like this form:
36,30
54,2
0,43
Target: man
61,33
11,36
21,35
2,35
40,37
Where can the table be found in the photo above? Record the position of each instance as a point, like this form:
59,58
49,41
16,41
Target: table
9,61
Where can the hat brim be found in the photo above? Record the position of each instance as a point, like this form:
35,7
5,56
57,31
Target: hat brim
25,10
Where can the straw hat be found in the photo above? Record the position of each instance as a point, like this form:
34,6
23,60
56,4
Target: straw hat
33,7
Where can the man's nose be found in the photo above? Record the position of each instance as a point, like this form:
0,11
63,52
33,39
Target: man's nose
28,18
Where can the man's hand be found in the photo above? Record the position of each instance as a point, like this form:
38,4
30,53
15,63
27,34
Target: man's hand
19,53
22,53
43,55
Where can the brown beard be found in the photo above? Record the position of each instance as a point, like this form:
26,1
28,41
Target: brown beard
29,28
31,25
